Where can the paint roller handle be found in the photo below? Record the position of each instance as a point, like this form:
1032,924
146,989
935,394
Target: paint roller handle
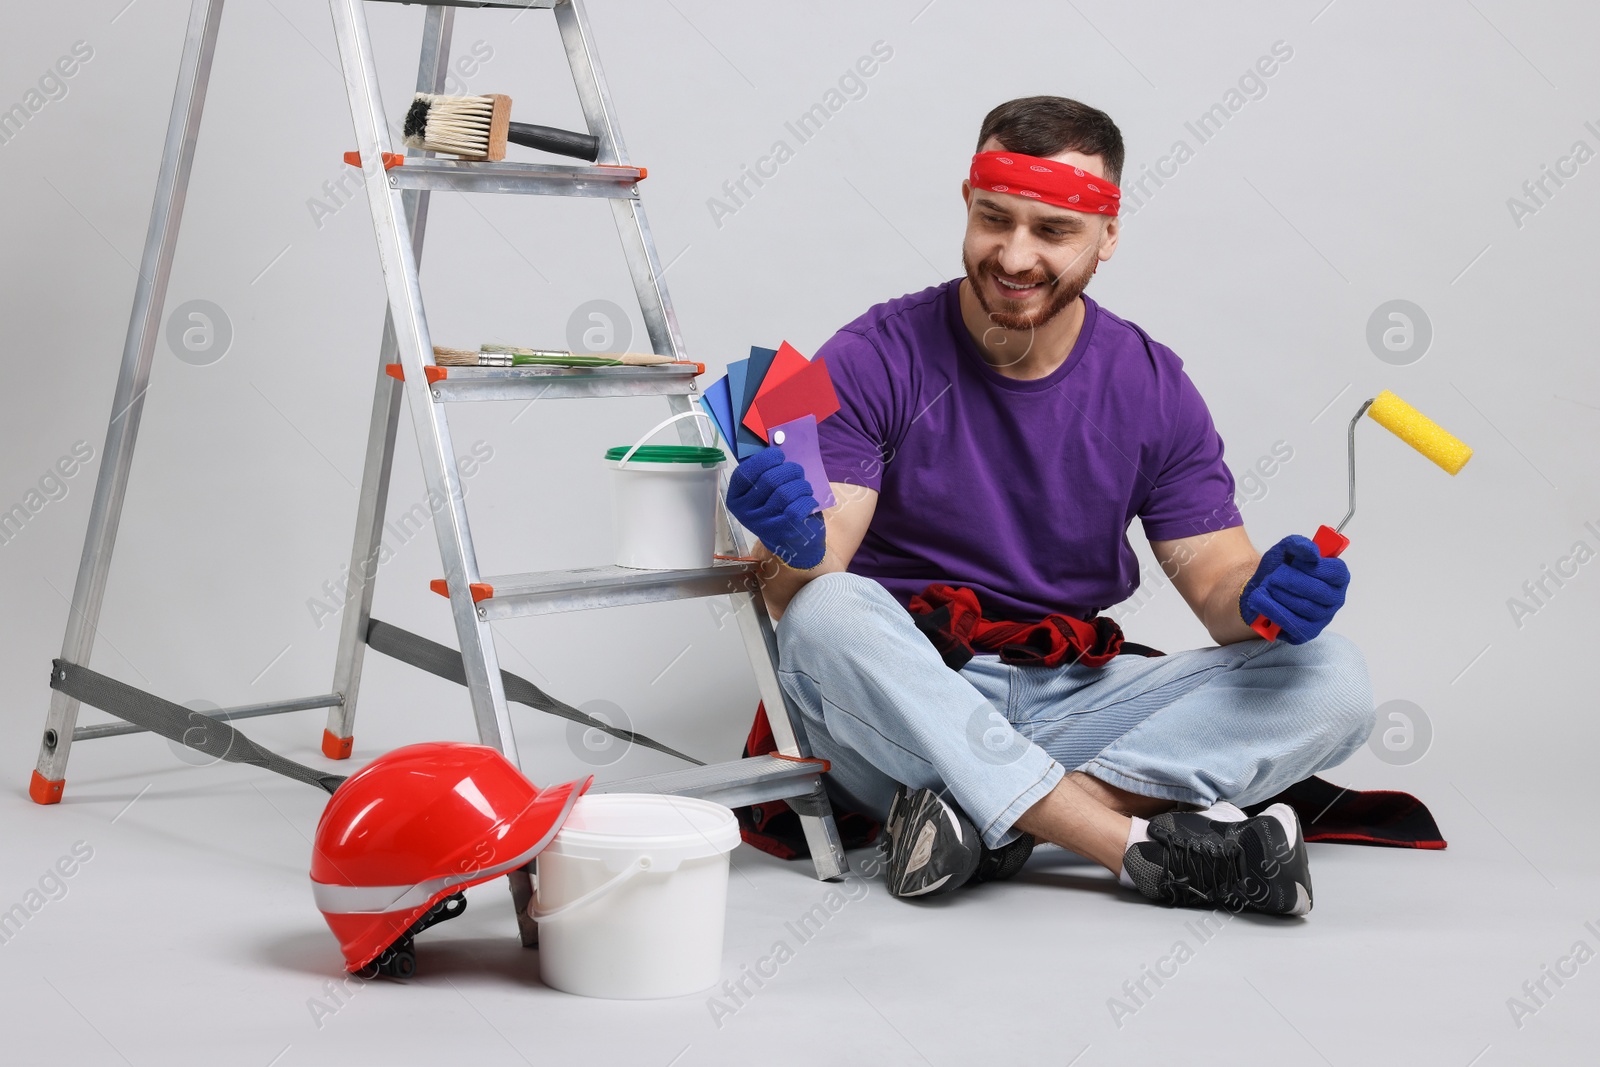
1330,543
549,139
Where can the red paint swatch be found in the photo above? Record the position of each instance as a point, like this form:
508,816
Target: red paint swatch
809,391
784,366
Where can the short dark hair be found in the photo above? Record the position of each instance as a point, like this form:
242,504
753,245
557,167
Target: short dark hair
1047,125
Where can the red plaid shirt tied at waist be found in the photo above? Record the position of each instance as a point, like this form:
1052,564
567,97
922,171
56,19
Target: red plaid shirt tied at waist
951,618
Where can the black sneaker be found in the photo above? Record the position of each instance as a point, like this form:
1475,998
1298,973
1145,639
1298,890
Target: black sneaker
1193,860
998,864
933,848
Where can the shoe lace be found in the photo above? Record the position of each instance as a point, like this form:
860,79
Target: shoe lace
1207,867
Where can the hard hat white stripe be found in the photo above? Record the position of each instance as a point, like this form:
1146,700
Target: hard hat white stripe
381,899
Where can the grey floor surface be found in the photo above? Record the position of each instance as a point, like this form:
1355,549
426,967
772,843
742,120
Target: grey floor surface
1380,167
189,936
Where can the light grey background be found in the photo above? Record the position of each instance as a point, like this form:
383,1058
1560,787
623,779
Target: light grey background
1377,165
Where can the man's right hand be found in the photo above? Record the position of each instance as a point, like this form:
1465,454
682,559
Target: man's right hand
771,498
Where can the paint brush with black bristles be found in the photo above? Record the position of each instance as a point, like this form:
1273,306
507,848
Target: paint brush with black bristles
478,127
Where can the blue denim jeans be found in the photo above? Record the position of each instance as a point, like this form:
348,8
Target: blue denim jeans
1239,722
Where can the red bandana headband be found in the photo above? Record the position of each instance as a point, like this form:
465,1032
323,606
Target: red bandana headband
1047,180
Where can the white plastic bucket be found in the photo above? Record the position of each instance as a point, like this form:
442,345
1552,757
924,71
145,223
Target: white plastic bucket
632,896
666,509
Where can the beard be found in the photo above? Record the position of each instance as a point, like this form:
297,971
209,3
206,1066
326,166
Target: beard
1058,296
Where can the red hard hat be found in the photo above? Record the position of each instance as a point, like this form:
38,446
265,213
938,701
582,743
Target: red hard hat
417,825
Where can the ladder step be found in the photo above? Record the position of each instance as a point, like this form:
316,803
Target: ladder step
551,382
747,781
610,181
512,596
477,3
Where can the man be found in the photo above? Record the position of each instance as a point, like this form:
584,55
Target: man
998,434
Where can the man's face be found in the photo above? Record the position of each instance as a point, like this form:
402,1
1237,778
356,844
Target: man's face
1047,251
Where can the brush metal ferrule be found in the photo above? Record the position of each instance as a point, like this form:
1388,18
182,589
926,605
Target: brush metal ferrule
494,359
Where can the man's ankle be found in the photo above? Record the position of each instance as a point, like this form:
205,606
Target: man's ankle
1120,800
1072,817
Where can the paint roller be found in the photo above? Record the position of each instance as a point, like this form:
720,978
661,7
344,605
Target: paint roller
1412,427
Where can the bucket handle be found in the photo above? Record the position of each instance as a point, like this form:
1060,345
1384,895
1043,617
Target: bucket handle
662,425
635,866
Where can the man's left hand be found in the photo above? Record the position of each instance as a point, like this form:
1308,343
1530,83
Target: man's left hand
1296,587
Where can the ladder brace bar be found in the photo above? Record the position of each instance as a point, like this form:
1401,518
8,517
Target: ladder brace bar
445,662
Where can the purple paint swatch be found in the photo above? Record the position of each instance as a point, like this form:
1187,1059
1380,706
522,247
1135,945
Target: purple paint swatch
798,439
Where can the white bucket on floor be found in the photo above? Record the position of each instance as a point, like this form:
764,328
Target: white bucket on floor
632,896
666,501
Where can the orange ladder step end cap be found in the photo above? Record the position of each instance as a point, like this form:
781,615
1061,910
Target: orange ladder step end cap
391,160
433,374
822,764
480,590
43,791
336,747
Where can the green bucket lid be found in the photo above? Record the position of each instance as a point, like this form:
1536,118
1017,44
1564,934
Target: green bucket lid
702,454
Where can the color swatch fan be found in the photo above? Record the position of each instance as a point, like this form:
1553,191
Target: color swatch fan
776,397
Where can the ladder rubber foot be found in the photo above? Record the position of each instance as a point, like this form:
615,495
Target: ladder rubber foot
44,791
332,747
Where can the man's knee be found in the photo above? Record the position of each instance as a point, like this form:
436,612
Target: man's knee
1349,713
825,609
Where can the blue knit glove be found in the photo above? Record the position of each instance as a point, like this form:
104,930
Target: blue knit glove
1297,588
772,499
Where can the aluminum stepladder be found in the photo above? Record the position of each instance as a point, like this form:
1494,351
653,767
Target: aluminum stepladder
398,190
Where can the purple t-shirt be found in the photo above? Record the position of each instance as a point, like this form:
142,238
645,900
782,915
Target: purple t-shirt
1020,490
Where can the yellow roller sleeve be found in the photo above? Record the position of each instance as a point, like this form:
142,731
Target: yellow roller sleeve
1420,432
